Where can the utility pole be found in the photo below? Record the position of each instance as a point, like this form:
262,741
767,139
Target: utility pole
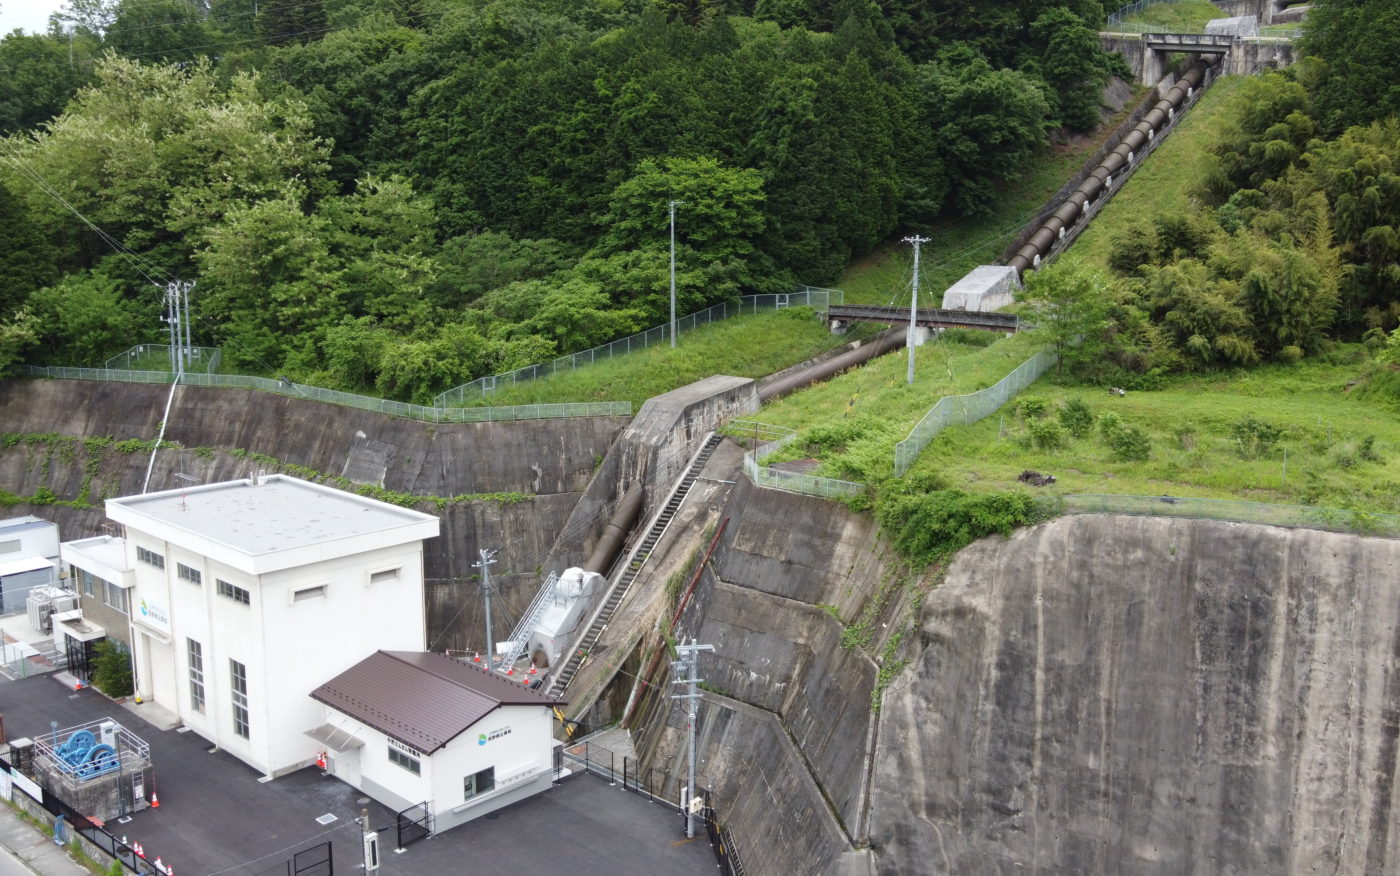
690,664
488,556
189,348
913,302
673,206
172,321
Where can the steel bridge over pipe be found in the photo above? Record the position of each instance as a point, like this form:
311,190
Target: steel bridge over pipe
928,317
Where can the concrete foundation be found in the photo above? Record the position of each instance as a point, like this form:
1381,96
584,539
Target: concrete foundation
987,287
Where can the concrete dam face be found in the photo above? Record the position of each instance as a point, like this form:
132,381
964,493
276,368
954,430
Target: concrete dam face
1107,694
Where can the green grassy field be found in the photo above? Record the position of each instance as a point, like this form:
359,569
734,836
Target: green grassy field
852,422
743,346
1167,182
1178,16
1321,457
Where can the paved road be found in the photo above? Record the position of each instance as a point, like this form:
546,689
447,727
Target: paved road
11,865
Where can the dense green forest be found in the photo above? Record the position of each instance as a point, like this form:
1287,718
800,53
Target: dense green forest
396,196
401,195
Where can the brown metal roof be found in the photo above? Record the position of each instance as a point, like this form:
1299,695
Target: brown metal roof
422,699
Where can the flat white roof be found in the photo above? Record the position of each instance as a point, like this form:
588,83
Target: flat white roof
102,555
274,523
28,564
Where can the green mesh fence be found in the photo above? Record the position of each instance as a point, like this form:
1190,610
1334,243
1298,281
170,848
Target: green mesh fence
347,399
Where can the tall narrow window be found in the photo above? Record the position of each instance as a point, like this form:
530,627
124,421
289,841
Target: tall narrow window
238,674
196,654
114,596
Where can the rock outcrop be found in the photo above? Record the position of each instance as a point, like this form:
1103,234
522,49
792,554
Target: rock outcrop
1109,694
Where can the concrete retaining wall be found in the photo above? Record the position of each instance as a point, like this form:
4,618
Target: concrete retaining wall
789,734
550,460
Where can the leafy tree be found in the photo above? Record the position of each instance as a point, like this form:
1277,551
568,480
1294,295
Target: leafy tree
111,671
719,216
1070,307
1358,41
42,72
87,318
987,123
158,29
1071,62
470,265
281,22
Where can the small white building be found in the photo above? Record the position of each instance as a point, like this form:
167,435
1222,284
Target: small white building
414,727
28,559
247,594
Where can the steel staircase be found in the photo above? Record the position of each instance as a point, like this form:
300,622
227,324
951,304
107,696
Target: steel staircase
633,567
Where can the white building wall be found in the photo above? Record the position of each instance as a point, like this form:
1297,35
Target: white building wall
287,647
310,641
523,760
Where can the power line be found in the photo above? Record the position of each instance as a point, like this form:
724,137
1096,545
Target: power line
132,257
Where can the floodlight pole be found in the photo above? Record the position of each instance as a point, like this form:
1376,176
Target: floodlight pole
913,303
488,556
690,661
673,205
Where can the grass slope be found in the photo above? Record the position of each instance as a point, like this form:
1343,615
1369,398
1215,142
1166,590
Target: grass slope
743,346
1195,451
1180,16
1167,182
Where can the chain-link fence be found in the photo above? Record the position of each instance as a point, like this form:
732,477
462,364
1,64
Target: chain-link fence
1300,516
768,440
1116,19
960,410
160,357
316,393
807,296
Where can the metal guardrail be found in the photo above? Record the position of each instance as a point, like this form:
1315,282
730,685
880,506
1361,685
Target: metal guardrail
960,410
1298,516
931,317
807,296
348,399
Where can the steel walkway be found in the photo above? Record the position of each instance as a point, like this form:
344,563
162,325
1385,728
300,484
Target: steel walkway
632,567
929,317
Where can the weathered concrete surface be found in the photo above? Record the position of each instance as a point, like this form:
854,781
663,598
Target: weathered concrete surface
1109,694
785,743
655,448
986,287
549,460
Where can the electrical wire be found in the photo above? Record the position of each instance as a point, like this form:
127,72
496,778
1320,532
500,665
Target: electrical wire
133,258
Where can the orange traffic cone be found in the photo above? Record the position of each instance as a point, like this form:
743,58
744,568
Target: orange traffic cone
140,852
155,800
159,865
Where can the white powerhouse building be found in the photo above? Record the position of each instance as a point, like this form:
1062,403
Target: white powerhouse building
248,595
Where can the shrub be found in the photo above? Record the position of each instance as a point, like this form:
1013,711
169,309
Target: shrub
1130,444
1254,438
1185,434
1109,424
1032,408
1076,417
112,669
1046,434
1290,354
927,526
